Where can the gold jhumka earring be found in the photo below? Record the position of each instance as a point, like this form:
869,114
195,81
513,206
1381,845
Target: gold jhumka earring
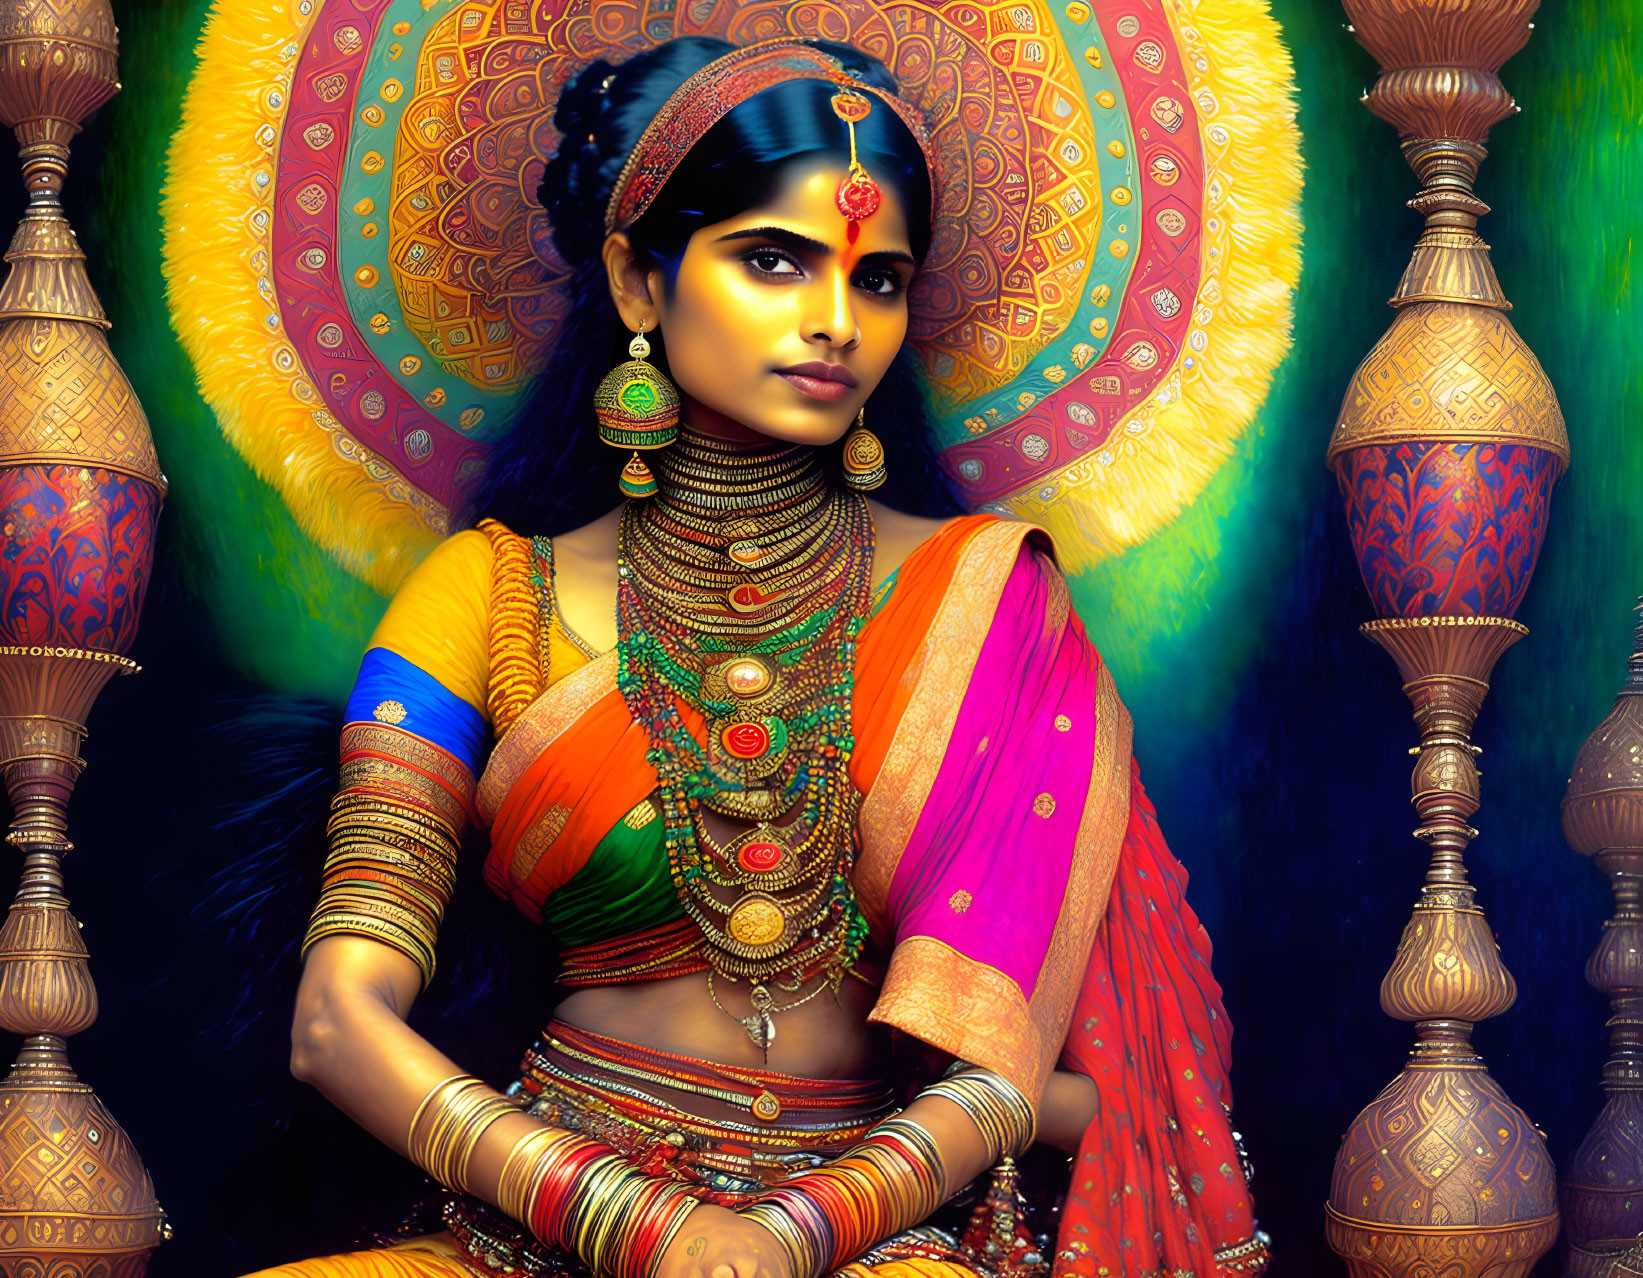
638,409
864,468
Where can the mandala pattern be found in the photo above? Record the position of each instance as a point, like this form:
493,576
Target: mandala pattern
366,286
1450,529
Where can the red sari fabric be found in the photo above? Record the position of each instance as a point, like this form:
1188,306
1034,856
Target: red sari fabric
1158,1184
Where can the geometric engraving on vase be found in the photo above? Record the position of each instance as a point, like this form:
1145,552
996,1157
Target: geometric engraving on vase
1432,1157
1448,371
66,1171
63,397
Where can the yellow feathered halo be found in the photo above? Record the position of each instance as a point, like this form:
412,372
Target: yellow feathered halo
366,288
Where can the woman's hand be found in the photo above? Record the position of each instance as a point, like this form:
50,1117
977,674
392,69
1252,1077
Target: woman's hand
715,1242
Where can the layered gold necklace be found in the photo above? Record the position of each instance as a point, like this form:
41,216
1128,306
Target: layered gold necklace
741,588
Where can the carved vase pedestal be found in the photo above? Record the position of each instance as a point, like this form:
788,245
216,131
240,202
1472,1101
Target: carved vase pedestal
1603,819
1447,448
1442,1173
80,495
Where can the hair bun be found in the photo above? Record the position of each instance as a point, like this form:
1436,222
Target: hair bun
599,116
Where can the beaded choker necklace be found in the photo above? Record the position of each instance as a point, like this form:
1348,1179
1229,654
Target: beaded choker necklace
741,587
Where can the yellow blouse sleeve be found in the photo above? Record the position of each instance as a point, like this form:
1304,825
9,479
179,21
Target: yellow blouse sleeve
439,620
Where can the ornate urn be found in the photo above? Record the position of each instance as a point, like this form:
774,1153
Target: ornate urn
80,494
1603,819
1448,444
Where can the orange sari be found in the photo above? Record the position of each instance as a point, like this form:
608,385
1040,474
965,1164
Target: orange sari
1009,864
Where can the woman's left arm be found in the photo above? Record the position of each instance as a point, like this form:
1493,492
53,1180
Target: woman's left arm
1066,1110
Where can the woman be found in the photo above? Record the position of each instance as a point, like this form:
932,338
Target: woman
830,805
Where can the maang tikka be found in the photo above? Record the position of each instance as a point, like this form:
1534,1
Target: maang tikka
637,409
858,196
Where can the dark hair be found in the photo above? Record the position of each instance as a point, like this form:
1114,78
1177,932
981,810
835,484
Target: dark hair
550,473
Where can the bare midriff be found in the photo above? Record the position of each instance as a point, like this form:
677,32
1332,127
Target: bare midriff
826,1036
822,1039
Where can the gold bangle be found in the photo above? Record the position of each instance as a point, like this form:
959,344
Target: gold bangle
459,1119
416,1117
682,1209
384,932
496,1107
524,1168
999,1111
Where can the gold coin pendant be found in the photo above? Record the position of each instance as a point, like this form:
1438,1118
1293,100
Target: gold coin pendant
757,921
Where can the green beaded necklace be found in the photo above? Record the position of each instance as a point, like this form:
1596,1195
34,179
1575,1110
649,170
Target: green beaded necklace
778,743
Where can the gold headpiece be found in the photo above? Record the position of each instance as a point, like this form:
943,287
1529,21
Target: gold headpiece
722,86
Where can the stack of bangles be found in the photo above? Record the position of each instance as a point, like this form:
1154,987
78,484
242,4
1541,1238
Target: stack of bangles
893,1180
391,866
583,1196
571,1191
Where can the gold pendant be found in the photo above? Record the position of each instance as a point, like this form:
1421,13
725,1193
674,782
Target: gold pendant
757,921
766,1108
760,1027
749,677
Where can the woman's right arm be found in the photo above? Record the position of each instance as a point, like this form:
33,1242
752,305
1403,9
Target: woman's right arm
413,740
349,1040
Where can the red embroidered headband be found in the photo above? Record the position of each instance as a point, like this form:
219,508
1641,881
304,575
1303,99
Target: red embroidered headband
723,85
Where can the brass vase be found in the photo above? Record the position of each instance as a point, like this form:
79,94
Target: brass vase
1447,448
80,494
1603,819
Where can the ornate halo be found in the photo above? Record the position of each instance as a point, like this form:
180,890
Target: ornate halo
361,277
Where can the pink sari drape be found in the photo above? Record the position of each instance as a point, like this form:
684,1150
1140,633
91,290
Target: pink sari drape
996,892
1039,918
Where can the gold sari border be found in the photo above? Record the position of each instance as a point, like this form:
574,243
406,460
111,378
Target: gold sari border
970,1009
540,725
1099,842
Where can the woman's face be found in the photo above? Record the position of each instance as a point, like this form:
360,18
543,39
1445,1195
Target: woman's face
784,318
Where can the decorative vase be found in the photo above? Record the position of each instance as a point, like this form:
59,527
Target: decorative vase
80,495
1446,450
1603,819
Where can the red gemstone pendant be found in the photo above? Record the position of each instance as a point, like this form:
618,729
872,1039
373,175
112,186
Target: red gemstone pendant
749,598
759,858
745,740
858,197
